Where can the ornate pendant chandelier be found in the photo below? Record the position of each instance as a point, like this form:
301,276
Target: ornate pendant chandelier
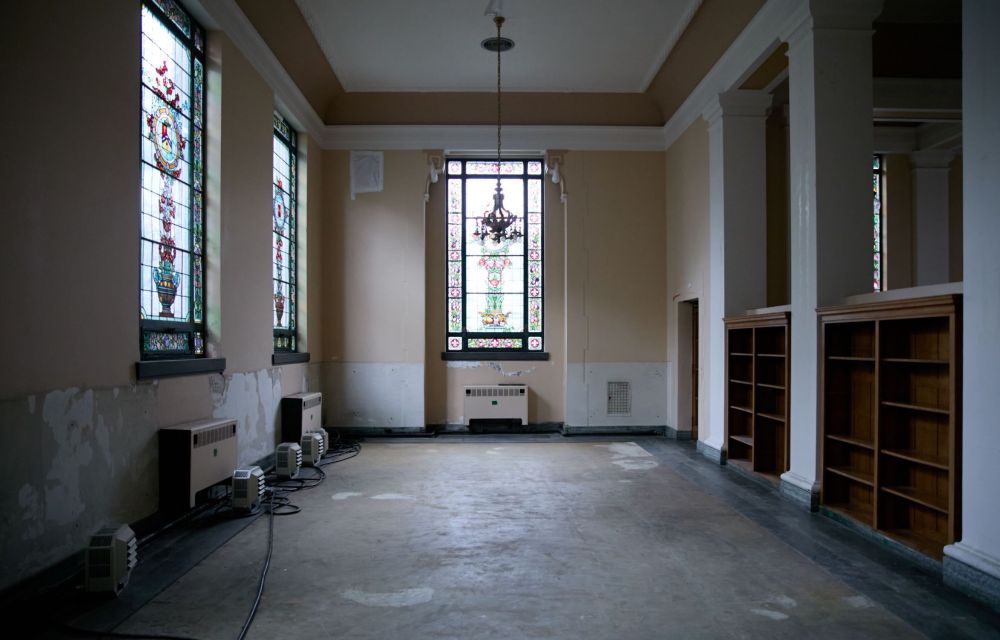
498,223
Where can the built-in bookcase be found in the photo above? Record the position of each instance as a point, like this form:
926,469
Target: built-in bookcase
757,388
891,417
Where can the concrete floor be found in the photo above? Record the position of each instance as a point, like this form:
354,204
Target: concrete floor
548,537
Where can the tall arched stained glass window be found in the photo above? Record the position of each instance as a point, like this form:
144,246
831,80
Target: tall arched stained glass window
494,287
171,271
284,236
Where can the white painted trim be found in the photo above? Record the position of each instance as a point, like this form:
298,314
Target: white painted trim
669,45
796,480
760,37
974,558
484,137
288,98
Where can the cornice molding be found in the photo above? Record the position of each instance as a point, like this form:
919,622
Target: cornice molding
230,19
577,138
759,39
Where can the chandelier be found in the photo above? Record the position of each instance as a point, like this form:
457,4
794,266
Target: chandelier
498,223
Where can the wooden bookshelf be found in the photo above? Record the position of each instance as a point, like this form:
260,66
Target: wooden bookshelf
890,407
757,393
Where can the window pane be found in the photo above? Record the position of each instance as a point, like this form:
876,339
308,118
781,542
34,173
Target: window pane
494,286
283,235
171,265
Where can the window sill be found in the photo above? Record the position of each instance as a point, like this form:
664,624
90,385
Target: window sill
494,355
289,358
152,369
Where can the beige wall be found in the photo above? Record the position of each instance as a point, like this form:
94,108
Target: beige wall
373,262
79,434
616,268
778,212
899,250
687,260
955,259
898,233
70,249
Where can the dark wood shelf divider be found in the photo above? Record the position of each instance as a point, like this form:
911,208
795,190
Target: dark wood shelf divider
757,396
890,407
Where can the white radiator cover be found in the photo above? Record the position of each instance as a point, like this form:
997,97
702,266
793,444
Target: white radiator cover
496,401
196,455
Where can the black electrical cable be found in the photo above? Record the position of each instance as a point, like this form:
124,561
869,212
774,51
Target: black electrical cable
264,569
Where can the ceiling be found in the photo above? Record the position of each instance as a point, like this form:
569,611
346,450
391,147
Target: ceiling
579,46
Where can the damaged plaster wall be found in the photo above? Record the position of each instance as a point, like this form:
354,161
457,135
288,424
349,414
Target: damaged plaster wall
75,460
373,394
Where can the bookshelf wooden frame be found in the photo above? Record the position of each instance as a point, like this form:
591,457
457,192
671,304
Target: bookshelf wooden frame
890,407
758,388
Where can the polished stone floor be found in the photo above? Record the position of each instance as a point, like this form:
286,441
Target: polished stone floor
538,537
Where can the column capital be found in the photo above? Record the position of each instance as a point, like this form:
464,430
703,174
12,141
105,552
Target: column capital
737,103
932,158
842,15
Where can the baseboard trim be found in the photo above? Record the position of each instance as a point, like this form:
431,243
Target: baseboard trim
798,495
717,456
371,432
672,433
960,573
614,430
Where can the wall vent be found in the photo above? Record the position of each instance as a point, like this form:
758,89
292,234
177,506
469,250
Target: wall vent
620,399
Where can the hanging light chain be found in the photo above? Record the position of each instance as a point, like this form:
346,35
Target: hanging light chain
499,22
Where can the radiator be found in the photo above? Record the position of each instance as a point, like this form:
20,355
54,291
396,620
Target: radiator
301,413
496,401
193,457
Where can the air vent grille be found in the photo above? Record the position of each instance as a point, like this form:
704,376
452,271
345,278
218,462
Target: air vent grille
620,399
207,437
495,392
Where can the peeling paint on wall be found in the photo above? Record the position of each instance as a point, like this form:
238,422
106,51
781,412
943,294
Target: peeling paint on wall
88,458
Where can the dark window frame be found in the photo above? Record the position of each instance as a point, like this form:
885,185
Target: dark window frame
190,327
499,353
284,132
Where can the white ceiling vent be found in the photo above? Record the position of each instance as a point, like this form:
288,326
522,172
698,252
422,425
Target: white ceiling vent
620,399
366,172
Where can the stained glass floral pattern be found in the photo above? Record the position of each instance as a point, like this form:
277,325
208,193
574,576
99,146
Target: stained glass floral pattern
171,296
494,288
283,234
877,222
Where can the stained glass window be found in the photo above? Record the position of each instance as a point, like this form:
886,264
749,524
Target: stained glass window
172,263
283,236
877,189
494,288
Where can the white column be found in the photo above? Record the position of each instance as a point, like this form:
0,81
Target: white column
830,151
737,231
930,216
973,564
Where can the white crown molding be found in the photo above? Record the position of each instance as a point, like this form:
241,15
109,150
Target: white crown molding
759,39
229,18
484,137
